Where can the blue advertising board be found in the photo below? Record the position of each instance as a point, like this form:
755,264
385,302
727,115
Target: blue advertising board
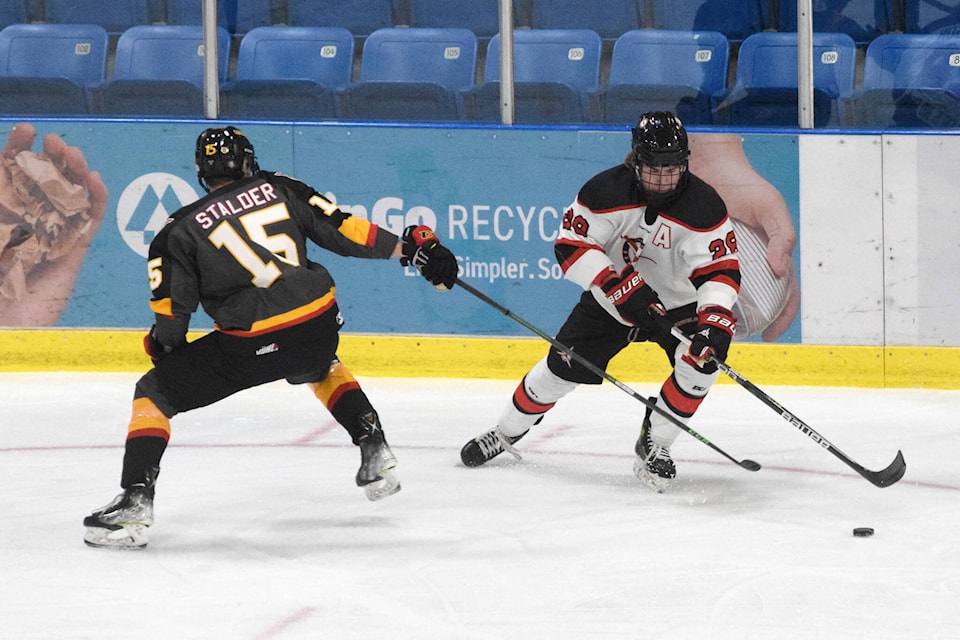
495,196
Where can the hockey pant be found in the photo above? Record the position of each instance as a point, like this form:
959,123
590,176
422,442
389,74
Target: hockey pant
219,365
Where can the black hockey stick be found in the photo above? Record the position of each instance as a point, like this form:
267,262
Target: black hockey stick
883,478
749,465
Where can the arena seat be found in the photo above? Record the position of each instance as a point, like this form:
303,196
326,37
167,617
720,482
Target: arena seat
13,12
555,73
480,16
735,19
289,72
236,16
45,68
412,74
862,20
765,92
360,18
909,81
113,15
666,70
158,70
609,19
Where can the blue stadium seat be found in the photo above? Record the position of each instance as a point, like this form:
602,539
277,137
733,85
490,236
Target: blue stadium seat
236,16
765,93
45,68
862,20
480,16
13,12
359,18
932,16
77,52
113,15
735,19
41,96
666,70
569,56
609,18
289,72
320,54
909,81
412,74
158,70
555,73
277,100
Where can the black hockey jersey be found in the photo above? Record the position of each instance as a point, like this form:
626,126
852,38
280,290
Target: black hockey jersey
241,252
685,249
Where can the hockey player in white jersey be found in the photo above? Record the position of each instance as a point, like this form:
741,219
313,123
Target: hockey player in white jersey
643,237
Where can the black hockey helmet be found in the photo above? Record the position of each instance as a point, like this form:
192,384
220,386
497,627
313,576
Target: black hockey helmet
224,153
660,139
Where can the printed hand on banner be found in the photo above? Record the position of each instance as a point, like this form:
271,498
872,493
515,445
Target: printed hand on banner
720,160
51,206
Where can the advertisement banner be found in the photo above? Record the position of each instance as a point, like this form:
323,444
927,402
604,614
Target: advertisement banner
494,195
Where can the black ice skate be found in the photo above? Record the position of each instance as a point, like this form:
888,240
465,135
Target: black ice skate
123,522
488,446
377,462
653,465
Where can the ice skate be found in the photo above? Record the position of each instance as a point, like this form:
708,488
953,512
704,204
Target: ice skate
488,446
122,523
653,465
377,462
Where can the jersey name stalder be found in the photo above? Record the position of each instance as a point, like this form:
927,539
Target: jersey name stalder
249,240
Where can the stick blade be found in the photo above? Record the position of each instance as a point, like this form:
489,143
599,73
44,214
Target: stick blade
888,476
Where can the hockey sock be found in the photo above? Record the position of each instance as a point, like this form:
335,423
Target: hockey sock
344,399
536,394
676,401
147,437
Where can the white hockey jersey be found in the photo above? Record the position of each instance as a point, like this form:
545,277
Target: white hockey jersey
685,250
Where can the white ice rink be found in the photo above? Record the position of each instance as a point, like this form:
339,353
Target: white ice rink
261,533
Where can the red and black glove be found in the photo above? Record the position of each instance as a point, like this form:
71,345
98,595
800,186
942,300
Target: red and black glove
154,348
422,249
713,335
633,298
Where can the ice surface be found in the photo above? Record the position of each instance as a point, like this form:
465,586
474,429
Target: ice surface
262,534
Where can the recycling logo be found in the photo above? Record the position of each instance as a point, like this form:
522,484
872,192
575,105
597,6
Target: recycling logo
146,204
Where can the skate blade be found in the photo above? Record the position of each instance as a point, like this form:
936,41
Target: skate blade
127,537
656,483
387,485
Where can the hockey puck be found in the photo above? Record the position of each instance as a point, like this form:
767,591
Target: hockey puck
863,532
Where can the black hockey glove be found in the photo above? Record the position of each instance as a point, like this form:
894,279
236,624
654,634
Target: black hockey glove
714,333
422,249
154,348
633,298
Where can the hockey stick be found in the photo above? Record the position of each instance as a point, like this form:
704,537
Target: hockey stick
883,478
749,465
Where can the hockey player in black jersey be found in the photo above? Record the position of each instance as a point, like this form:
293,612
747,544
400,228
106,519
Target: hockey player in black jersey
643,237
241,252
